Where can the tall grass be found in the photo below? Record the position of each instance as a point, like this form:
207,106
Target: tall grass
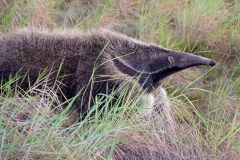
205,104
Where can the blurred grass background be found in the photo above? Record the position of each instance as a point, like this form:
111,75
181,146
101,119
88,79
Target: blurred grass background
205,103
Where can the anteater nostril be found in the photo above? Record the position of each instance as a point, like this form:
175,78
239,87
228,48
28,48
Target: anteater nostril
212,63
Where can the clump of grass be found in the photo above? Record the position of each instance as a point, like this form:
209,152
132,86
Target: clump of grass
38,125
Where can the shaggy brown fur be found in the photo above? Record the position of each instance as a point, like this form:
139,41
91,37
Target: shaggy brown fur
102,53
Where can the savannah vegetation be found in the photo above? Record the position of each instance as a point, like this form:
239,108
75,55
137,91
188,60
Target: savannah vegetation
205,101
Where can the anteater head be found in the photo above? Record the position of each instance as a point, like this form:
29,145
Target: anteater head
153,63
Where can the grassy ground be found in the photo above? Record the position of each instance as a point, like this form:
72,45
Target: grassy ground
206,106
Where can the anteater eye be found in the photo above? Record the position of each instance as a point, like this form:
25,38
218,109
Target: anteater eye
171,60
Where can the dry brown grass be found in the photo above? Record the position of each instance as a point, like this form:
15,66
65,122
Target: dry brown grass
150,141
226,46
